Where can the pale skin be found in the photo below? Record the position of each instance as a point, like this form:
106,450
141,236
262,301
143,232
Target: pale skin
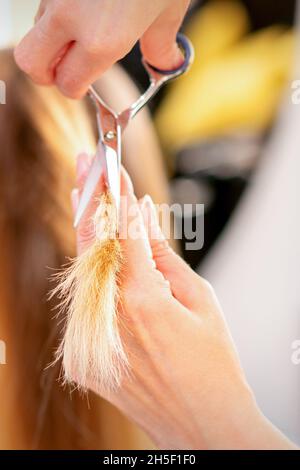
186,387
73,42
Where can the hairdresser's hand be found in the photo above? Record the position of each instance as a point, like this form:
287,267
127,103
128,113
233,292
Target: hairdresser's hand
73,41
186,388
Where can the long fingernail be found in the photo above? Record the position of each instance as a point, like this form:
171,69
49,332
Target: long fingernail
150,216
75,199
148,204
82,164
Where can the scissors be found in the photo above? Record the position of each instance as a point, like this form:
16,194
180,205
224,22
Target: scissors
111,125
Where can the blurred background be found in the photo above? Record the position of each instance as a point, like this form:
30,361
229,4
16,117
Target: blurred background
230,140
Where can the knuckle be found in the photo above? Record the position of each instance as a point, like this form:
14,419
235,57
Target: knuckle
144,306
57,18
138,307
134,300
103,45
93,44
59,9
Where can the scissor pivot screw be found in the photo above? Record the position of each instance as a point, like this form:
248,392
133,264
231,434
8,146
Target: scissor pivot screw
110,135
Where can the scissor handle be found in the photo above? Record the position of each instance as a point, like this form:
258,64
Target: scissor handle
158,78
188,51
111,124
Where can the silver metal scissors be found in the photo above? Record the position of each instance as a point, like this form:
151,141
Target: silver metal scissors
111,125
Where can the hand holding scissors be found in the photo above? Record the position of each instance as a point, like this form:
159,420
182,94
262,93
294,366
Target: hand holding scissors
112,124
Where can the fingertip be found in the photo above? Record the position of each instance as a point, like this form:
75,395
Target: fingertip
161,54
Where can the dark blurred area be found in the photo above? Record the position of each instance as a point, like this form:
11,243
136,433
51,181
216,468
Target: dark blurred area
212,164
262,13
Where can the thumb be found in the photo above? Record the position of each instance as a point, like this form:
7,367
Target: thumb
187,287
158,44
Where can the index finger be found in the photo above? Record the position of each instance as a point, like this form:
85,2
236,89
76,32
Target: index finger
44,45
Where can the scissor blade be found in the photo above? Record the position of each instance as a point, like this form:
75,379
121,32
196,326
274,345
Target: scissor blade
113,175
97,167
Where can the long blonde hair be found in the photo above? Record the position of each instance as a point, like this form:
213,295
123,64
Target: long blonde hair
40,134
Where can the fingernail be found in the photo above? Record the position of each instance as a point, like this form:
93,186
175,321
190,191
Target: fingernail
178,56
148,204
74,199
150,216
82,164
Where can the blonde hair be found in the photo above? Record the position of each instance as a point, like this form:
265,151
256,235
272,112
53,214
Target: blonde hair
92,351
40,134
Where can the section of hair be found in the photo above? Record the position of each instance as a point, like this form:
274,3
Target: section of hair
91,349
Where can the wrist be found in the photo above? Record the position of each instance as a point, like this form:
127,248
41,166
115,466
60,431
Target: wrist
242,426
